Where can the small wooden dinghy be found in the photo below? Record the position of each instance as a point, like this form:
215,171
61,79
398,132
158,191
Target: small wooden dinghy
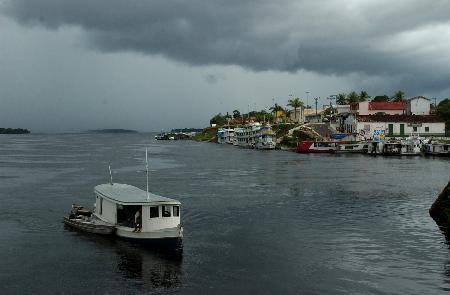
82,219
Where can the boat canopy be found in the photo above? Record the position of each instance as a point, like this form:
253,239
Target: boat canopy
128,194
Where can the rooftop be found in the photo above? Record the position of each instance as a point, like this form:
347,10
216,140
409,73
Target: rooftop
381,105
125,193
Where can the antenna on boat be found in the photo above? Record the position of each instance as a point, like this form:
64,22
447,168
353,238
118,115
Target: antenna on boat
146,167
110,174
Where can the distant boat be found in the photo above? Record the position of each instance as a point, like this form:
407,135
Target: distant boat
357,147
254,135
309,146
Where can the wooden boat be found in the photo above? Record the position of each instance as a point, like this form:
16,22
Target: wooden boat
308,146
82,219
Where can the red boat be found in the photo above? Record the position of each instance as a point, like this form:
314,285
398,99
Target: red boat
316,147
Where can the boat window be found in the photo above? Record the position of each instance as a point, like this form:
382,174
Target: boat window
176,210
165,211
101,205
427,129
154,211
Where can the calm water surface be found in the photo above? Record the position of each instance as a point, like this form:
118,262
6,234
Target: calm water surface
255,222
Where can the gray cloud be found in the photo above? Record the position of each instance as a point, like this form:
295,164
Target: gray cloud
404,41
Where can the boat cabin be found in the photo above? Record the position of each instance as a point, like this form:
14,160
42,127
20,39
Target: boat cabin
118,203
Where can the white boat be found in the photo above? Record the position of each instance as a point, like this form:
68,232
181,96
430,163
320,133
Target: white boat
117,204
254,135
357,147
132,213
225,135
264,138
437,149
411,147
402,148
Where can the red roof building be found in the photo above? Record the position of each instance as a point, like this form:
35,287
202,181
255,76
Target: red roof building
372,108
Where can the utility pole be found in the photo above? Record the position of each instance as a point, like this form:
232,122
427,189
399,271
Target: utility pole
307,98
316,99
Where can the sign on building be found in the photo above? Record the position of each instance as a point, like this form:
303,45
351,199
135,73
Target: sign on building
378,135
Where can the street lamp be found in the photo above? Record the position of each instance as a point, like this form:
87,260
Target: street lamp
307,98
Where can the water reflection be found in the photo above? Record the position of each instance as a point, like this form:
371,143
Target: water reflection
152,267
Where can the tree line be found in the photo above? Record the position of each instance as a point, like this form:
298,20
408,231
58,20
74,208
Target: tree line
14,131
354,97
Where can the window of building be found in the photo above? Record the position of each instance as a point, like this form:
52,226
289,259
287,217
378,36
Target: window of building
427,129
176,210
165,211
415,129
154,211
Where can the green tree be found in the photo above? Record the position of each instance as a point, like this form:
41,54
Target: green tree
443,111
218,120
398,96
341,99
352,97
381,98
275,109
236,114
295,103
363,96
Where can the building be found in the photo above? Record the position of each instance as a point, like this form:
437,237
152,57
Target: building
394,125
297,116
418,105
313,116
375,107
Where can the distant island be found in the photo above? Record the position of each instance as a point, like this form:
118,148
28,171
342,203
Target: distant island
14,131
112,131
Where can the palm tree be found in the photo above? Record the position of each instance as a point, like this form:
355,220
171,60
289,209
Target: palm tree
341,99
352,97
295,103
363,96
275,109
399,96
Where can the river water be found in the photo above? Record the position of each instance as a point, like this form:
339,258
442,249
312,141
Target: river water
256,222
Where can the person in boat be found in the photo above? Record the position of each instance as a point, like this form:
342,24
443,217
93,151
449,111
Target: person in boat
137,221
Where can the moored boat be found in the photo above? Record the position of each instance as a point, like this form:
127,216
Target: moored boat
437,149
308,146
357,147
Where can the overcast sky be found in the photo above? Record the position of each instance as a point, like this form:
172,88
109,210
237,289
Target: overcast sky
70,65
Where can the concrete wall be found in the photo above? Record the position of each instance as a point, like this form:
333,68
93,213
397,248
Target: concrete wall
418,106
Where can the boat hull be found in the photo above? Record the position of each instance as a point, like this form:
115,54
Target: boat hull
89,227
167,239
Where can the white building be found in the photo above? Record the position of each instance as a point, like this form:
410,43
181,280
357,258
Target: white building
418,105
297,116
395,125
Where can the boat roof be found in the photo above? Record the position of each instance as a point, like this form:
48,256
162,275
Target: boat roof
125,193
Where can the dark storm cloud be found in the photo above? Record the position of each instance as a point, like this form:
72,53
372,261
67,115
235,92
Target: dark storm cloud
405,41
